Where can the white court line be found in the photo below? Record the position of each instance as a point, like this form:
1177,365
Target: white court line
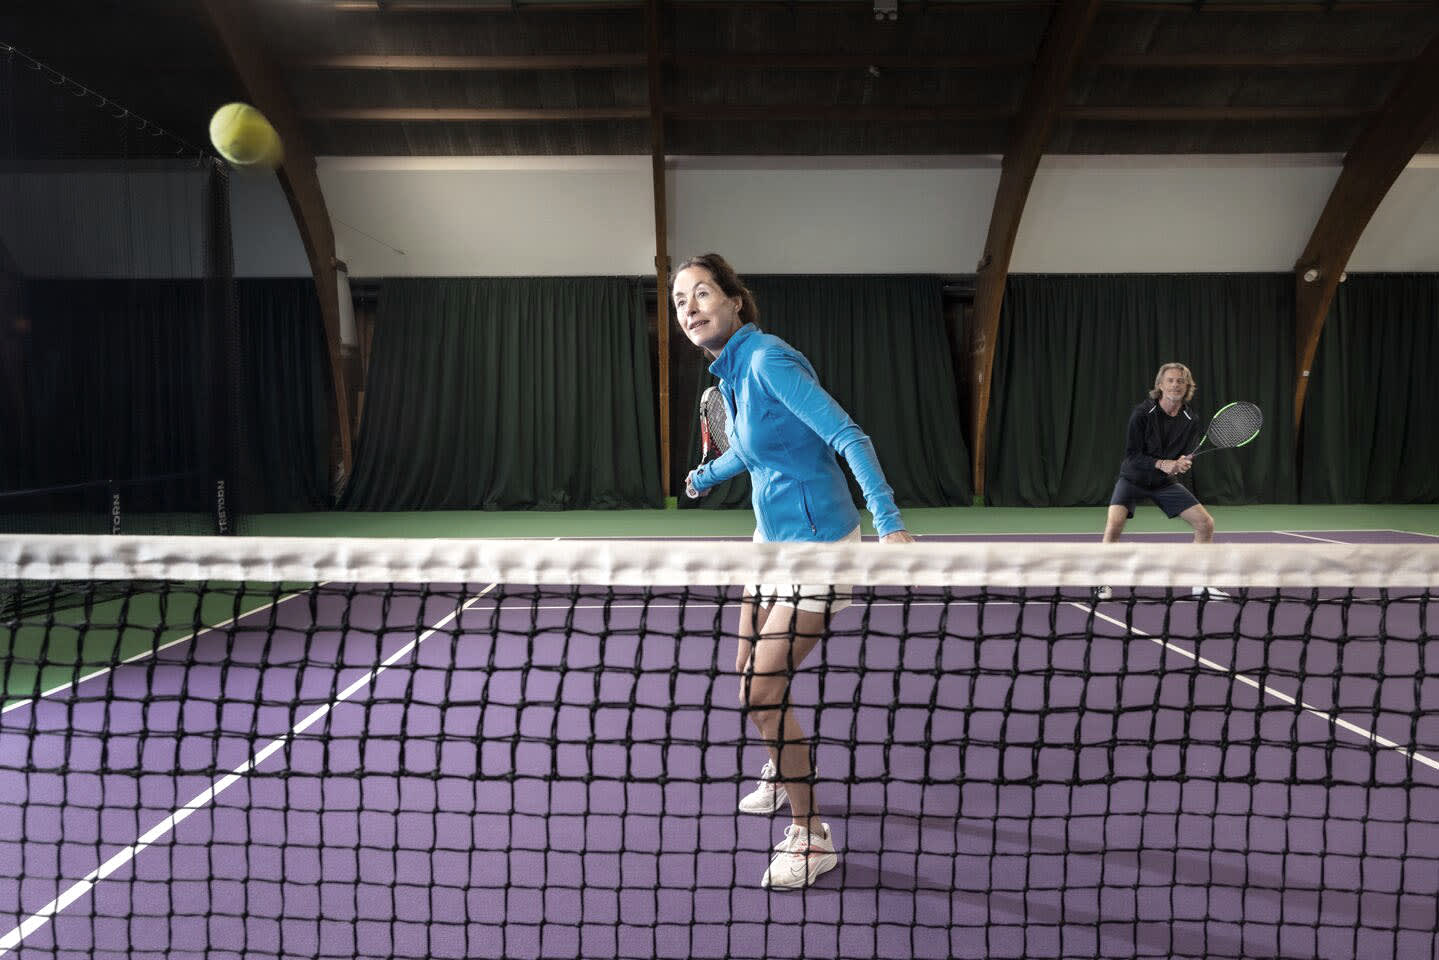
1306,536
1279,695
80,888
1410,533
143,654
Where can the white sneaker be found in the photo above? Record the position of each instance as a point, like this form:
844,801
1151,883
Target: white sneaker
1213,593
800,859
768,795
1103,593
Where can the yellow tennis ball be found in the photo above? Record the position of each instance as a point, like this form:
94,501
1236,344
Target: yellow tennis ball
244,137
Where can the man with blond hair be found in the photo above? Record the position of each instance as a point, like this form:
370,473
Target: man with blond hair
1162,431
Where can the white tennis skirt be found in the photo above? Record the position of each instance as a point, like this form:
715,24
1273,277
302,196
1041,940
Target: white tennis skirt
815,598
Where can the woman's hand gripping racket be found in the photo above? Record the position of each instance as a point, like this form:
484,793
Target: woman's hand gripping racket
713,442
1233,425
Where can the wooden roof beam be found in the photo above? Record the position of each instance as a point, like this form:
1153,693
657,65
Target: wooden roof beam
1058,54
475,114
384,61
301,184
937,113
1406,120
830,61
398,7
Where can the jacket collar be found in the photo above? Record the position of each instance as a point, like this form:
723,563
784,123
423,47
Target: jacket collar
1183,408
736,352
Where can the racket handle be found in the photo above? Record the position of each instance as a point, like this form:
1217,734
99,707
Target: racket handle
690,490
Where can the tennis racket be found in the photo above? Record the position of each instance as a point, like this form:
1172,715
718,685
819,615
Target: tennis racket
1233,425
713,442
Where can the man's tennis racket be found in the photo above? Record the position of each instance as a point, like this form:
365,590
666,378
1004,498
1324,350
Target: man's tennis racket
1233,425
713,442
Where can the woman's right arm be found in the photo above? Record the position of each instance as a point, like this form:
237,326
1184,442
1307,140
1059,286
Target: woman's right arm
717,471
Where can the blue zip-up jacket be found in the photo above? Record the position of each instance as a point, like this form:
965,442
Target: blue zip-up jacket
785,430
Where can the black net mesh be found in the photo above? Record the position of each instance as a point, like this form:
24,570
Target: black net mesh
526,749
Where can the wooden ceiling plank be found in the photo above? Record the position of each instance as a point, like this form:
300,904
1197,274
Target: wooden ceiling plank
475,114
551,61
1058,55
855,61
937,113
1150,114
1259,60
1408,118
298,177
401,7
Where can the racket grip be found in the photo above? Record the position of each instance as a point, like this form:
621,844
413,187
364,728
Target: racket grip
690,490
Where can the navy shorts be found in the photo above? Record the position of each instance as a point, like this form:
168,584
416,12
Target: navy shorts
1172,498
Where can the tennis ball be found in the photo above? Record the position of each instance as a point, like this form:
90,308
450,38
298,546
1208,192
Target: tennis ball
244,137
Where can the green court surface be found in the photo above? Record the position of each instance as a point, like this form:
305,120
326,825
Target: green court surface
96,629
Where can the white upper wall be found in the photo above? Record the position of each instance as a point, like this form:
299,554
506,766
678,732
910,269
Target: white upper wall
1403,235
266,241
577,216
848,217
1170,215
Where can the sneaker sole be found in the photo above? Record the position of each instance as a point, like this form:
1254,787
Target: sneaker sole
820,866
764,810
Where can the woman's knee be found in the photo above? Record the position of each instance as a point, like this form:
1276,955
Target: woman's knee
763,698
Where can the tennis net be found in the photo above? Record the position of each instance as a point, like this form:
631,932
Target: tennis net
273,747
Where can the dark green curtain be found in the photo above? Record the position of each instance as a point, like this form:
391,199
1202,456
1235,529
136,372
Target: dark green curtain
285,393
508,393
1076,353
880,348
1368,430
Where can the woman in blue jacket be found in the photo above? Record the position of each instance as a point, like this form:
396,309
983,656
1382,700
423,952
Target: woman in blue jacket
786,431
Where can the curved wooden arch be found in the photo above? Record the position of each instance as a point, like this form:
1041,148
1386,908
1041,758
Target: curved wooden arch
301,184
1043,100
1406,120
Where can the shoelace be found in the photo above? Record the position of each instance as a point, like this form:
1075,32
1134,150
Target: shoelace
793,845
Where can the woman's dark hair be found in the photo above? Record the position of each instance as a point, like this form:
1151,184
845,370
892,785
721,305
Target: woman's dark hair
729,282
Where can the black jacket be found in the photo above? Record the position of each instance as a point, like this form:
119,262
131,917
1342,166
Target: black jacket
1144,443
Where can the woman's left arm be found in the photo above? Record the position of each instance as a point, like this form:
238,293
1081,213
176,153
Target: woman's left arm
790,382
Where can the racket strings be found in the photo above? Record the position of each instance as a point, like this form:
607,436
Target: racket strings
1235,425
712,408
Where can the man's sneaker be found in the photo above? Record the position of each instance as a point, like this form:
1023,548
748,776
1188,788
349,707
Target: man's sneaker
800,859
768,795
1212,593
1103,593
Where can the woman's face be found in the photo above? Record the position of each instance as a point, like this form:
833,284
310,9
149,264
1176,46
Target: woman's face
707,316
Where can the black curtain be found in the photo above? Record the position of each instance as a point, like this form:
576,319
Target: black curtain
1076,353
1368,428
133,383
285,395
508,393
118,393
880,348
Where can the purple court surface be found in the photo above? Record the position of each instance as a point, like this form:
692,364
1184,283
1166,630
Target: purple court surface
555,775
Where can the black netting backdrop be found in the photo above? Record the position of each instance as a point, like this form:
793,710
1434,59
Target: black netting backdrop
119,366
